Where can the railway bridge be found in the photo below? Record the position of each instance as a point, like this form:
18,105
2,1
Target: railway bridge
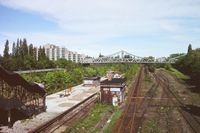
125,57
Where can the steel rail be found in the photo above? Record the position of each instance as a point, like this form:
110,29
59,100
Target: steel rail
189,118
145,104
46,127
126,121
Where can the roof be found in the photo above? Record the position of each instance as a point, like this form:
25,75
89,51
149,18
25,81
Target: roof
92,78
114,81
14,79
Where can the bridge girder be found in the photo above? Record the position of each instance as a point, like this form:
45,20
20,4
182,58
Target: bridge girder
125,57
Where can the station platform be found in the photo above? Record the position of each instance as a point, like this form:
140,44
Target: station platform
56,104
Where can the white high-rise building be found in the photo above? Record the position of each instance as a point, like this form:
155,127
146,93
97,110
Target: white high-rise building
54,52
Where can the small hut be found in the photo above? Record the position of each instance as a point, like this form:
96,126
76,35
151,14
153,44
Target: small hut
113,91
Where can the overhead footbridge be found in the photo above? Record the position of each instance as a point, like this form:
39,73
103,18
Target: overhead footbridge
18,94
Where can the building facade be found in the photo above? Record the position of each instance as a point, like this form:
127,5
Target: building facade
113,91
54,52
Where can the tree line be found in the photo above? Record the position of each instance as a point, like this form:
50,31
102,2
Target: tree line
73,74
190,64
24,56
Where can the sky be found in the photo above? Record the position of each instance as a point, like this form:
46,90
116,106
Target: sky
141,27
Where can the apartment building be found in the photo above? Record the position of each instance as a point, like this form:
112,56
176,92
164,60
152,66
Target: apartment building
54,52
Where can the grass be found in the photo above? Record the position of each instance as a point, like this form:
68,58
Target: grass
87,124
178,74
147,78
151,126
114,119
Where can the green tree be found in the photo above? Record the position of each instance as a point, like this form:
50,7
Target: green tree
13,50
25,47
35,53
21,51
17,49
31,51
90,71
77,75
6,50
190,65
100,55
1,60
41,54
57,80
189,48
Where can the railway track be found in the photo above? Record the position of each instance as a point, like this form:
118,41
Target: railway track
190,119
126,122
68,116
144,106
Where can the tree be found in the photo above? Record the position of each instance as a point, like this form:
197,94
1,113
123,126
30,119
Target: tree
100,55
190,65
35,55
1,60
6,50
41,54
17,49
21,53
13,50
25,47
62,63
189,48
77,75
57,80
31,51
90,71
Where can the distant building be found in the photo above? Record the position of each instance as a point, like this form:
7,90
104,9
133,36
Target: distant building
54,52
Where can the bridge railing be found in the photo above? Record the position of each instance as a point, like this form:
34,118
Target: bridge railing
125,57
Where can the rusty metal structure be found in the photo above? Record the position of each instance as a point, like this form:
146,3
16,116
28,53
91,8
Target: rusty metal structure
16,93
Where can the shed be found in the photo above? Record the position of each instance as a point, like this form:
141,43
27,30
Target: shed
113,91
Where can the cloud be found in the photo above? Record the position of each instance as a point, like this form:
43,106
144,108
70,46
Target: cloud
109,16
94,21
